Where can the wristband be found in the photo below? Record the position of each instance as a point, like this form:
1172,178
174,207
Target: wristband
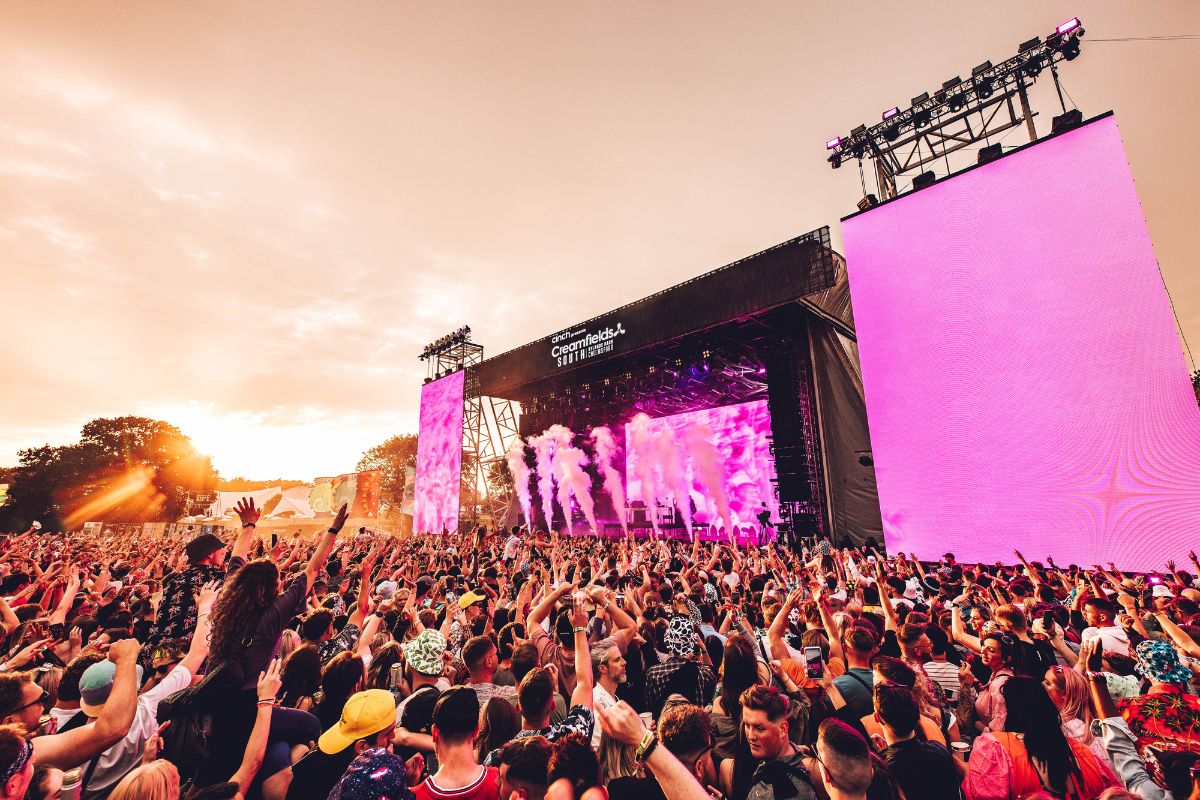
648,743
1095,676
249,524
266,701
579,629
334,531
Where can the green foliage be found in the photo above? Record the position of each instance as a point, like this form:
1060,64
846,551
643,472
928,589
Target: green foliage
124,469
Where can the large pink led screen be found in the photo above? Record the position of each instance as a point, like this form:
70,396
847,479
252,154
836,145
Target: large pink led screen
1025,384
723,454
439,456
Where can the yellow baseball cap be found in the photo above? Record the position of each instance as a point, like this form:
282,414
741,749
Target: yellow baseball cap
365,714
470,598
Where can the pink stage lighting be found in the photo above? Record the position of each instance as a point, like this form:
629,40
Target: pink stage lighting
439,456
1068,26
831,144
891,112
1025,383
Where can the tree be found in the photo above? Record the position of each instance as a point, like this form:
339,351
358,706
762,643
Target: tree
125,469
392,459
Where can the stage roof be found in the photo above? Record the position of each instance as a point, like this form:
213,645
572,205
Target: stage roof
782,274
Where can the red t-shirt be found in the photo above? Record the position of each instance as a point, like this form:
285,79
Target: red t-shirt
485,787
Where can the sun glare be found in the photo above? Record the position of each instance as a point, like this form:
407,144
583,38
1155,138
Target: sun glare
244,444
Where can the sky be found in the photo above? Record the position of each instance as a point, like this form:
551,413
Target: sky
248,218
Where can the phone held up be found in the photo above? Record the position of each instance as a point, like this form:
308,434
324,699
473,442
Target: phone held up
814,667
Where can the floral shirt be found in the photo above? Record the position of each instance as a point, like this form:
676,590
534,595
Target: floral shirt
580,719
1165,718
176,617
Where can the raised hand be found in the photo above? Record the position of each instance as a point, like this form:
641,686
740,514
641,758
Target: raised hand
154,744
246,511
270,681
622,723
339,521
206,598
28,654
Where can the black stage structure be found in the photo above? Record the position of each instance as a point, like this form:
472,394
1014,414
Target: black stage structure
776,325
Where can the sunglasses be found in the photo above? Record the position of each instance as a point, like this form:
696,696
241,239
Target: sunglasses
166,668
41,700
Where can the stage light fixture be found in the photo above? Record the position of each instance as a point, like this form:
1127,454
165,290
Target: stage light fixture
831,144
921,98
989,153
1067,121
1033,67
868,201
861,129
892,132
1070,50
835,160
1068,26
924,179
922,118
891,112
984,87
1032,44
982,68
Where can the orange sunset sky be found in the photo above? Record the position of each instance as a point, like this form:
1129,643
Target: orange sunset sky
247,218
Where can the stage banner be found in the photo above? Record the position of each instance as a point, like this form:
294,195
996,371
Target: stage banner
438,480
359,490
1024,379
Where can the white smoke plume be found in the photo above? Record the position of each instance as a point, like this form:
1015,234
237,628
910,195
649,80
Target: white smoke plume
641,441
543,446
520,475
709,469
573,481
606,450
674,472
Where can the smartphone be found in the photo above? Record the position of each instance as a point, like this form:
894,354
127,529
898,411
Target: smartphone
1048,623
274,540
814,668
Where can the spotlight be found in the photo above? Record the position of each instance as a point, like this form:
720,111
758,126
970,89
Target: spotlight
923,180
835,160
957,102
1067,121
1032,44
763,370
891,112
868,201
831,144
892,132
1033,67
984,88
982,68
990,153
921,98
922,118
1070,50
859,130
859,150
1068,26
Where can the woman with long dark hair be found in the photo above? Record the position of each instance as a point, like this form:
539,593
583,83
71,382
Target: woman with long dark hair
301,678
1032,754
739,671
343,676
247,622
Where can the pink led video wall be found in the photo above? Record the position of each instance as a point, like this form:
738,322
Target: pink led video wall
742,462
439,456
1025,384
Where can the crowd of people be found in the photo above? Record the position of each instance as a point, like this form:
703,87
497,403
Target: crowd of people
524,665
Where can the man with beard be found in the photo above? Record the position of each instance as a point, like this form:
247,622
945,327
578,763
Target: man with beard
608,667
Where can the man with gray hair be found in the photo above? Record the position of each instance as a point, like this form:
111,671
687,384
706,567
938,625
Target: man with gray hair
608,667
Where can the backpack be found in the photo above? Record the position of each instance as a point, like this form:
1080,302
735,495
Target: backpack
185,741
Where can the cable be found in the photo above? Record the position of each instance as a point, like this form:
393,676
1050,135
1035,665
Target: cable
1174,37
1178,325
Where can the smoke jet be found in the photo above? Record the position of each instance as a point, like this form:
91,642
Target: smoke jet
709,470
606,449
573,481
520,475
642,442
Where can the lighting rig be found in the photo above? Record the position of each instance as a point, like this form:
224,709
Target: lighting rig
452,352
962,112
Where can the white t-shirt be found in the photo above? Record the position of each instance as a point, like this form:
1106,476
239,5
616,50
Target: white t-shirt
125,755
600,699
512,547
